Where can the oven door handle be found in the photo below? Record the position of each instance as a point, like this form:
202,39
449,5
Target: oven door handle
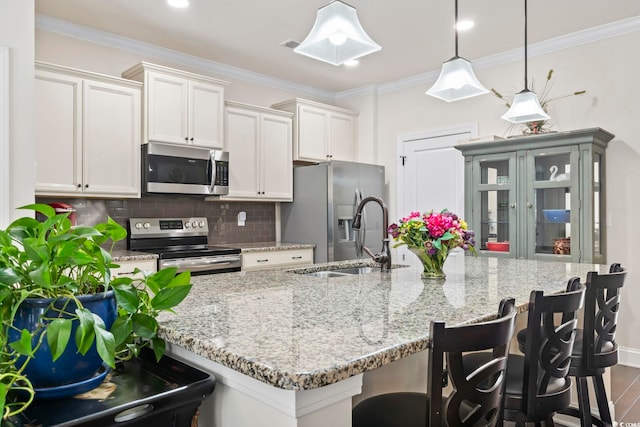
200,264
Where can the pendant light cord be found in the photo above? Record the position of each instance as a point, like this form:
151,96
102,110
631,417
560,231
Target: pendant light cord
456,27
526,83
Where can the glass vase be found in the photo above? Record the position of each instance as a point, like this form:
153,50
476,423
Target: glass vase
432,265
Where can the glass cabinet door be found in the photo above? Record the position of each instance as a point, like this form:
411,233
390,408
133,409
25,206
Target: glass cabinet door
495,203
553,204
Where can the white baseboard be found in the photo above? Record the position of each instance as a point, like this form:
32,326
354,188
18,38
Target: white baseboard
629,356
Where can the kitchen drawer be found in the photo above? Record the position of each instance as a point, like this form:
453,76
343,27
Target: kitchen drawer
267,259
127,267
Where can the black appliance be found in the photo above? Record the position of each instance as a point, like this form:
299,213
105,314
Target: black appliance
138,393
182,243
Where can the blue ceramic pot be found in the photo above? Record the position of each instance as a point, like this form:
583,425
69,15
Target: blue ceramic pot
71,367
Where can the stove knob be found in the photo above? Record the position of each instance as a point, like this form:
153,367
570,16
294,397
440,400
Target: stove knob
138,225
146,225
187,225
194,224
201,224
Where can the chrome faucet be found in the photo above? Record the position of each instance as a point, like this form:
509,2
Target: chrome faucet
384,257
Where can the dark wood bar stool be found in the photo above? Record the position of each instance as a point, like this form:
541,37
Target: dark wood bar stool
538,383
477,390
595,348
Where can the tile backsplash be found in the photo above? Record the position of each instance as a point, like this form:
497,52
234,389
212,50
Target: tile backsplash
222,216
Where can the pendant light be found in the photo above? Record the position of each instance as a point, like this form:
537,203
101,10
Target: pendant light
457,79
337,36
525,106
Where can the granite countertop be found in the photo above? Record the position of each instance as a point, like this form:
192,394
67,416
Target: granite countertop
299,332
125,255
272,246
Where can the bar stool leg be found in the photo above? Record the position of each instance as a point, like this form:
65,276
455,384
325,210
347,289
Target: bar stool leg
583,402
603,401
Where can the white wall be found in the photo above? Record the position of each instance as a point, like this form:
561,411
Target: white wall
17,33
602,68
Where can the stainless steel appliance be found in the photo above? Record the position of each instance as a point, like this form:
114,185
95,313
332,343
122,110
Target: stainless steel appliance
182,243
325,197
184,169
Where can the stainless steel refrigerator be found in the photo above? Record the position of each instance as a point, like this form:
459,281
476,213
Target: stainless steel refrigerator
325,197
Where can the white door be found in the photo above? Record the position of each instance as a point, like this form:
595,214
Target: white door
431,173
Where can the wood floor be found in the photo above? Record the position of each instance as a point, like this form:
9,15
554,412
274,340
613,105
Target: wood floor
625,393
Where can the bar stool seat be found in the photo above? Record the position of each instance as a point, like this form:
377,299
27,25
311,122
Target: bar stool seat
478,389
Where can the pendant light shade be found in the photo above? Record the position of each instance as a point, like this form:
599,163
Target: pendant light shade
337,36
457,79
525,106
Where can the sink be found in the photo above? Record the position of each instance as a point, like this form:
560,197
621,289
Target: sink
327,273
356,270
341,272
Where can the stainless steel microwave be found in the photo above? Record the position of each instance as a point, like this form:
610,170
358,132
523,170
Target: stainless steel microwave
184,169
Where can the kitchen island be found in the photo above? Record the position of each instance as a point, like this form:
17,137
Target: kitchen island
289,349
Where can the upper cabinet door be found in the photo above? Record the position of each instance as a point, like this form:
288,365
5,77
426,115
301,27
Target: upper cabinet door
313,127
206,103
276,153
58,132
342,137
243,145
111,153
167,104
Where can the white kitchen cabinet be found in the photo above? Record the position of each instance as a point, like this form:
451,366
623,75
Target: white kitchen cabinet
279,258
87,133
180,107
321,132
259,144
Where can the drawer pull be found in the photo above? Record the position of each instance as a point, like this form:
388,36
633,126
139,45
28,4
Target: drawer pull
263,260
296,257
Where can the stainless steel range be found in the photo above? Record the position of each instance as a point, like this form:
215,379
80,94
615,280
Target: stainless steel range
182,243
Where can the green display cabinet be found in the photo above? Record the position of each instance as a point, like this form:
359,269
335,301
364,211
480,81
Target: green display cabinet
538,196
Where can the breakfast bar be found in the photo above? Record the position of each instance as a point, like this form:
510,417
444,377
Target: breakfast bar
293,349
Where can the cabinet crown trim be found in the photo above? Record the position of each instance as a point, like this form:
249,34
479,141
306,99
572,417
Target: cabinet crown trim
300,101
83,74
596,136
257,108
137,71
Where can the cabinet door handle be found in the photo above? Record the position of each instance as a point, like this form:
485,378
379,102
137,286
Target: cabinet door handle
86,186
513,205
529,205
79,185
186,138
191,138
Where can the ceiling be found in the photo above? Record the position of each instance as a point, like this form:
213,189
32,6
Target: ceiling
416,35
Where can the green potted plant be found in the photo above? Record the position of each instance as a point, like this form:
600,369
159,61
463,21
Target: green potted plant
52,274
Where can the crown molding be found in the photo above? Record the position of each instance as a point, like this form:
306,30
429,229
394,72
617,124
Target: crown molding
589,35
66,28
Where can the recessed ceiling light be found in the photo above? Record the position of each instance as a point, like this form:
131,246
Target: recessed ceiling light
351,62
465,24
178,3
